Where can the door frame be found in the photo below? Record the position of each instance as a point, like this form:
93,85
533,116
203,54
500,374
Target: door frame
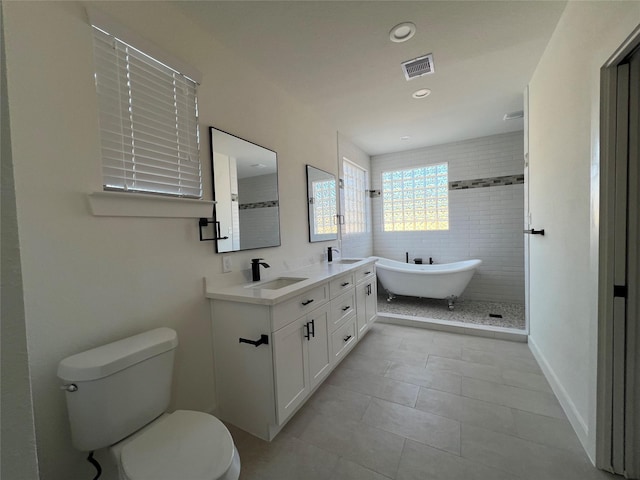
609,351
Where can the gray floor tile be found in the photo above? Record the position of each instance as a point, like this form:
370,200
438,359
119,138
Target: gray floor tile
339,402
553,432
375,449
348,470
533,401
532,381
524,458
435,348
297,460
361,363
503,361
467,410
420,462
375,386
437,379
416,358
490,373
436,431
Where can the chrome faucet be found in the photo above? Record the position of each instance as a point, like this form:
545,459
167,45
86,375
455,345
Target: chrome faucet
255,268
330,251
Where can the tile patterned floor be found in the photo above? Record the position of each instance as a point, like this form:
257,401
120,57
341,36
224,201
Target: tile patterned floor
466,311
415,404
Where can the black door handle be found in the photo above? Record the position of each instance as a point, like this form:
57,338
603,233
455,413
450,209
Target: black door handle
535,232
264,340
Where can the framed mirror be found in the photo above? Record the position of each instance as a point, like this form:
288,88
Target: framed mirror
245,188
322,202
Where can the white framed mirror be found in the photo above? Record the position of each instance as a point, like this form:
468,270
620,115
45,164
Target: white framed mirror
245,188
322,202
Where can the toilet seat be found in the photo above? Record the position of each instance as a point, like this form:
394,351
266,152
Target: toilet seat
184,445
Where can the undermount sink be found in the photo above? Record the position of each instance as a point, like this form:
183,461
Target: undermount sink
277,283
348,261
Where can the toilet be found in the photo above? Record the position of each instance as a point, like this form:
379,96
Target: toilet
117,397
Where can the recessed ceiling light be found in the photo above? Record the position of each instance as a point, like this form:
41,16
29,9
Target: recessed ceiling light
423,92
402,32
405,137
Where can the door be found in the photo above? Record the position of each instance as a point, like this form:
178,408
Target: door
318,351
619,335
527,213
291,371
371,301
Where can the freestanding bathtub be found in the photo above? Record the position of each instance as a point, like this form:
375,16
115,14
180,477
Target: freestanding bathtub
444,280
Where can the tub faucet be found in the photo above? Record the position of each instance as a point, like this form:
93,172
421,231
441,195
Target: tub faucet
255,268
330,251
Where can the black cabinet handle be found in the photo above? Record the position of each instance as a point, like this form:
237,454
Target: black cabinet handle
535,232
307,302
344,309
345,284
369,289
367,273
264,340
346,339
313,328
307,334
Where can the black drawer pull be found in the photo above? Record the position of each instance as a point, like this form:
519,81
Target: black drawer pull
344,309
313,328
307,334
307,302
264,340
344,284
367,273
346,339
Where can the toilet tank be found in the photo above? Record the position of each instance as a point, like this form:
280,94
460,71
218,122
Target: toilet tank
121,387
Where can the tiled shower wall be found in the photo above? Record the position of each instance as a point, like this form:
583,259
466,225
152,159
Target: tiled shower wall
486,210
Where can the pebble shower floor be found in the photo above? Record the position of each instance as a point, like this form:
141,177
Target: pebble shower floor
467,311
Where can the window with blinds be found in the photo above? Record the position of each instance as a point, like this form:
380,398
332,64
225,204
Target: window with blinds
148,122
416,199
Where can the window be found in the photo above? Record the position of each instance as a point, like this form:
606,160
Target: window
416,199
148,122
324,206
355,191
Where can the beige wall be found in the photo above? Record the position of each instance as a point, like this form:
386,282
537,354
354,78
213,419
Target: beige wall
90,280
563,146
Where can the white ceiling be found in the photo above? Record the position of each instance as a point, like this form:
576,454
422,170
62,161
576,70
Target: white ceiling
336,57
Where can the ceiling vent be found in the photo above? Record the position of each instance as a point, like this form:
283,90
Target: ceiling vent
418,66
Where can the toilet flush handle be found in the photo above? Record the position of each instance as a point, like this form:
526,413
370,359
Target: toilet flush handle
70,387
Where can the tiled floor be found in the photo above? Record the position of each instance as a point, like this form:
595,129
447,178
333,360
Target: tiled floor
415,404
465,311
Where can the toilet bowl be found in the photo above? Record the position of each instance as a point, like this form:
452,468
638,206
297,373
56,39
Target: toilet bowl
117,398
181,445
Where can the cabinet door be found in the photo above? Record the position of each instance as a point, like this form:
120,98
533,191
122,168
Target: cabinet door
361,307
291,371
318,350
371,300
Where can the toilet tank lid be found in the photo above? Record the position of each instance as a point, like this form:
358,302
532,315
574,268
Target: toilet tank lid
108,359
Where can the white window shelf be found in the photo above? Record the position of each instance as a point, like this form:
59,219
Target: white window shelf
121,204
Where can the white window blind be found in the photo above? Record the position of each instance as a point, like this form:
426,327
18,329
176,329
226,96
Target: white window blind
416,199
148,122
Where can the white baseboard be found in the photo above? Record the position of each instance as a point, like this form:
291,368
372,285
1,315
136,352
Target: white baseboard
577,421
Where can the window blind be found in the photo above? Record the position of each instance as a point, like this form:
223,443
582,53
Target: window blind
148,116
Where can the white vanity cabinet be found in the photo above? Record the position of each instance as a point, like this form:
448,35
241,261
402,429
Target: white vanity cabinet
273,349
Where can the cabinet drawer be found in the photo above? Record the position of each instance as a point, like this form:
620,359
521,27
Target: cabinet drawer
341,284
364,273
341,308
286,312
343,339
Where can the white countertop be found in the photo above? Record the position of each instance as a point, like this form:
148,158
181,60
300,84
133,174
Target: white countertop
313,274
